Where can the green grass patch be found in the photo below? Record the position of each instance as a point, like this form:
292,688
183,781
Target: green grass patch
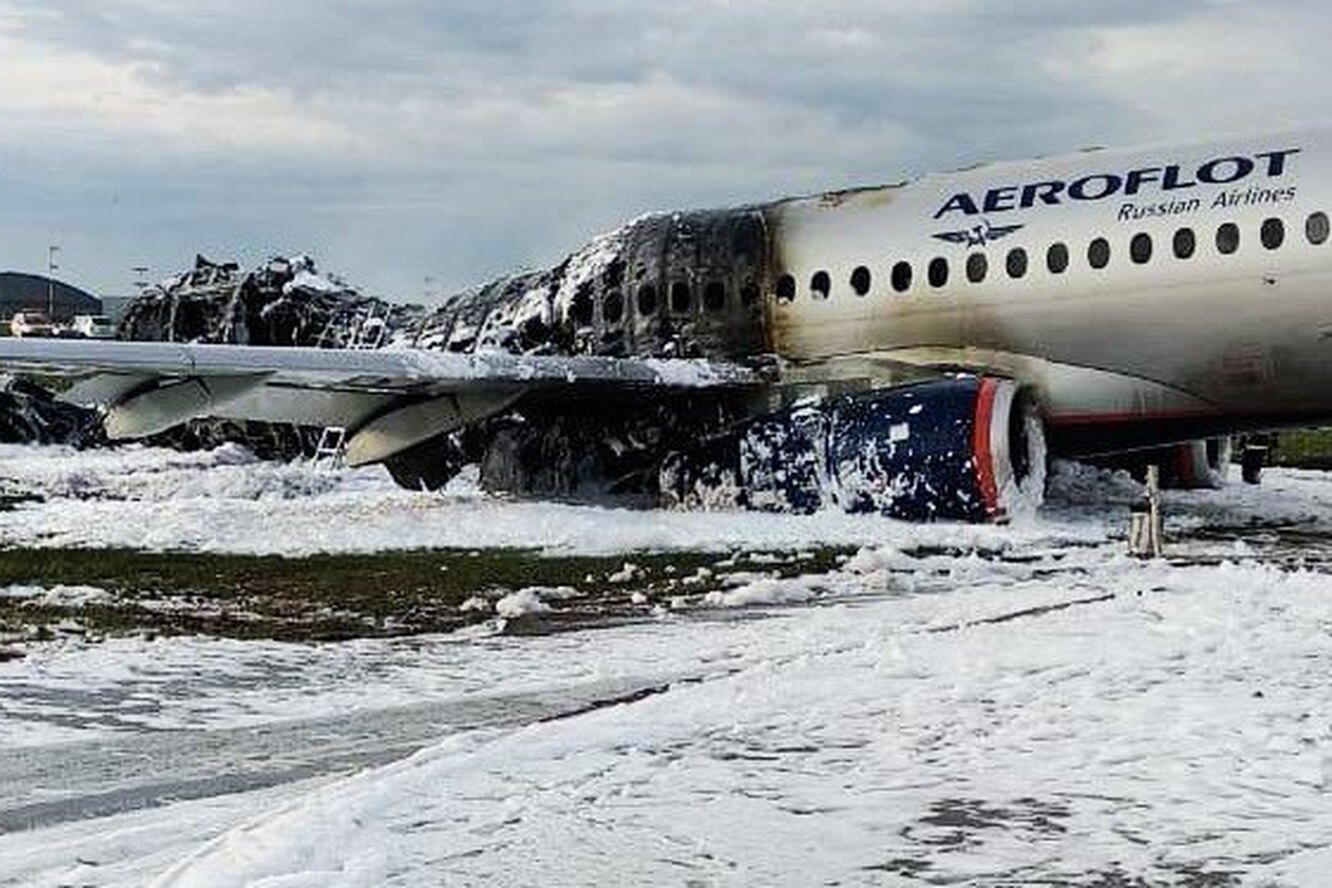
1303,449
334,597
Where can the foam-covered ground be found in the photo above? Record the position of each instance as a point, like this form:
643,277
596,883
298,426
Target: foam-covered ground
228,501
955,705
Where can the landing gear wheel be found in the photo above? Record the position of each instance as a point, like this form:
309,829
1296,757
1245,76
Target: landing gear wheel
428,466
1252,462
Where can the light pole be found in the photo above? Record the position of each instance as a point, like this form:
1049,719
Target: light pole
140,277
52,252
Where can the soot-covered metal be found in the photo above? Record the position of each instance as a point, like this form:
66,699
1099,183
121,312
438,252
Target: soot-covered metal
30,414
677,285
285,301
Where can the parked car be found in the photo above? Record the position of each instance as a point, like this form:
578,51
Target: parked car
93,326
30,323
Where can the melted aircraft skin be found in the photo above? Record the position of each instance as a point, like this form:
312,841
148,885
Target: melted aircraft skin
675,285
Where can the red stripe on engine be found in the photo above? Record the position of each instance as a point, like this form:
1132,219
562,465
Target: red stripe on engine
982,454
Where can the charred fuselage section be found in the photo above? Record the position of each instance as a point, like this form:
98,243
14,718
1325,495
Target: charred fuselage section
285,301
680,285
666,286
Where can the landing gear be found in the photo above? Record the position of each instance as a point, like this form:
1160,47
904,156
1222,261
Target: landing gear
1253,456
427,466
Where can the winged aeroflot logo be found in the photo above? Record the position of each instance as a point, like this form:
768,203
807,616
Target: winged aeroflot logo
978,235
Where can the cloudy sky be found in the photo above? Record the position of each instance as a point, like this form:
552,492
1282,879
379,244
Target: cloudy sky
418,145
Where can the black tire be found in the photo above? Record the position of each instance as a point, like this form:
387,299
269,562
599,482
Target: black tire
1252,463
428,466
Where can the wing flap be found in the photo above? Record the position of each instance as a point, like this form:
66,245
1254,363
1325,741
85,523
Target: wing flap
310,407
157,408
408,425
104,389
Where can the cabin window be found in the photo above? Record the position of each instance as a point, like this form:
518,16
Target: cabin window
1140,248
1056,258
681,297
1098,253
860,280
714,296
647,300
1185,243
612,307
749,293
1273,233
820,285
1317,228
938,272
902,277
1017,263
977,267
786,288
582,309
1228,238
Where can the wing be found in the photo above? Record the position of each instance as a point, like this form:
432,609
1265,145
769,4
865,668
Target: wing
387,400
954,237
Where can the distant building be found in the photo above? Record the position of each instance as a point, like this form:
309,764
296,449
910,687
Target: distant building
19,291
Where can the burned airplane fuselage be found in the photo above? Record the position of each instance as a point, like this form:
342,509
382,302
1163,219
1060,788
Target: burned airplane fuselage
679,285
717,285
709,284
664,286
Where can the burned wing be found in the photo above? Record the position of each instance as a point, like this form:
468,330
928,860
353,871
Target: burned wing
389,400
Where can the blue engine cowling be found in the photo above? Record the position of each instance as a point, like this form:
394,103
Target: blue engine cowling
965,448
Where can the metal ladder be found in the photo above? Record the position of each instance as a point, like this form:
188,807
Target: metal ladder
370,331
366,332
368,335
331,448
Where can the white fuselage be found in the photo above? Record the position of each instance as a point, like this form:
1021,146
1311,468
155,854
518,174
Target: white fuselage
1244,335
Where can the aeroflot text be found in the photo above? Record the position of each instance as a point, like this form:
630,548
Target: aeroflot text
1221,171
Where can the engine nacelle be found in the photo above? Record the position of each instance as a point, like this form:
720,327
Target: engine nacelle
967,448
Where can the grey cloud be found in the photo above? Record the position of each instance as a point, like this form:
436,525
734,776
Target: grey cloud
504,133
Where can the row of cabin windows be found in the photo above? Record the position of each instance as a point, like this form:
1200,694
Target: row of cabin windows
1184,244
680,298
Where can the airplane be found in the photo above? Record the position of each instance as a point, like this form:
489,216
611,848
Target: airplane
916,349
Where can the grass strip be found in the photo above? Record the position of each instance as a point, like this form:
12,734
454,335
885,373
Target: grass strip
335,597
